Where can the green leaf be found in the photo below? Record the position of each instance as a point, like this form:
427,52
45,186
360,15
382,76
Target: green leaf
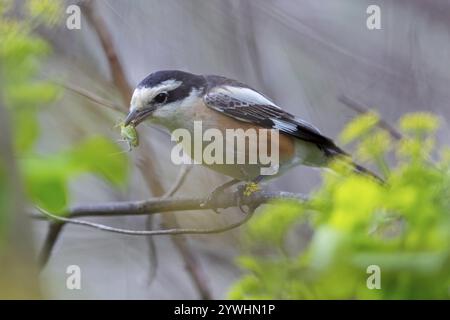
26,129
47,177
324,247
48,12
374,146
32,95
348,212
270,225
358,127
46,182
102,157
420,123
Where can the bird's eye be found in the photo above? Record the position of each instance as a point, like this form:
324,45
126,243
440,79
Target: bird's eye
161,97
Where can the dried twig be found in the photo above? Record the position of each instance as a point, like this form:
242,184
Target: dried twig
184,171
182,175
54,230
358,107
91,96
175,231
117,72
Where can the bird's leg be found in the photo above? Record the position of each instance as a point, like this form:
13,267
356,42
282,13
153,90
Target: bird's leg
218,190
247,190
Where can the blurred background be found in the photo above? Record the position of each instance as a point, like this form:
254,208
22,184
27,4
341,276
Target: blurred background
305,55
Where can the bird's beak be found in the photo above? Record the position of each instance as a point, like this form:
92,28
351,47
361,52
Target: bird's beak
132,115
136,116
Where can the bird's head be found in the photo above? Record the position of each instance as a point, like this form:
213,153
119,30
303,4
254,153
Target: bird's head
162,93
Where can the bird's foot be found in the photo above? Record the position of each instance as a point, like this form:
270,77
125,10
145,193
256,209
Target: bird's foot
212,200
250,188
245,191
212,197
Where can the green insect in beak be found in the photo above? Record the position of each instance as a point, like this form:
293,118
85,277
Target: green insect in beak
129,135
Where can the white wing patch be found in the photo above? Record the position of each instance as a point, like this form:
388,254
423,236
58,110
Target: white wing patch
307,124
284,126
246,95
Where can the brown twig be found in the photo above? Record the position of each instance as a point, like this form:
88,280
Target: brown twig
358,107
184,171
115,66
54,230
193,265
182,175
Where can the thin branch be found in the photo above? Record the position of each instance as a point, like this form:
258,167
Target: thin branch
184,171
176,231
190,263
193,266
117,71
358,107
92,97
54,230
152,251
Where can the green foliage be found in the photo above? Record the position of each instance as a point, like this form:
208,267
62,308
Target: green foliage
402,226
46,177
359,127
270,229
48,12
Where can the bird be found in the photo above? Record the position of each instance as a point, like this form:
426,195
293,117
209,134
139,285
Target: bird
177,99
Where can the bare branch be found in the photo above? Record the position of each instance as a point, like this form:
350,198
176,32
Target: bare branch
152,251
117,72
184,171
176,231
358,107
54,230
92,96
191,264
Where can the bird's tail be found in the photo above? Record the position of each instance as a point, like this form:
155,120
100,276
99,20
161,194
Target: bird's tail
361,170
336,152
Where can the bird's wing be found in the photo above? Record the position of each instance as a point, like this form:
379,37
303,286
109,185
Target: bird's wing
246,104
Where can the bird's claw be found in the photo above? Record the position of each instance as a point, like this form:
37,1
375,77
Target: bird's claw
211,199
244,192
251,188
